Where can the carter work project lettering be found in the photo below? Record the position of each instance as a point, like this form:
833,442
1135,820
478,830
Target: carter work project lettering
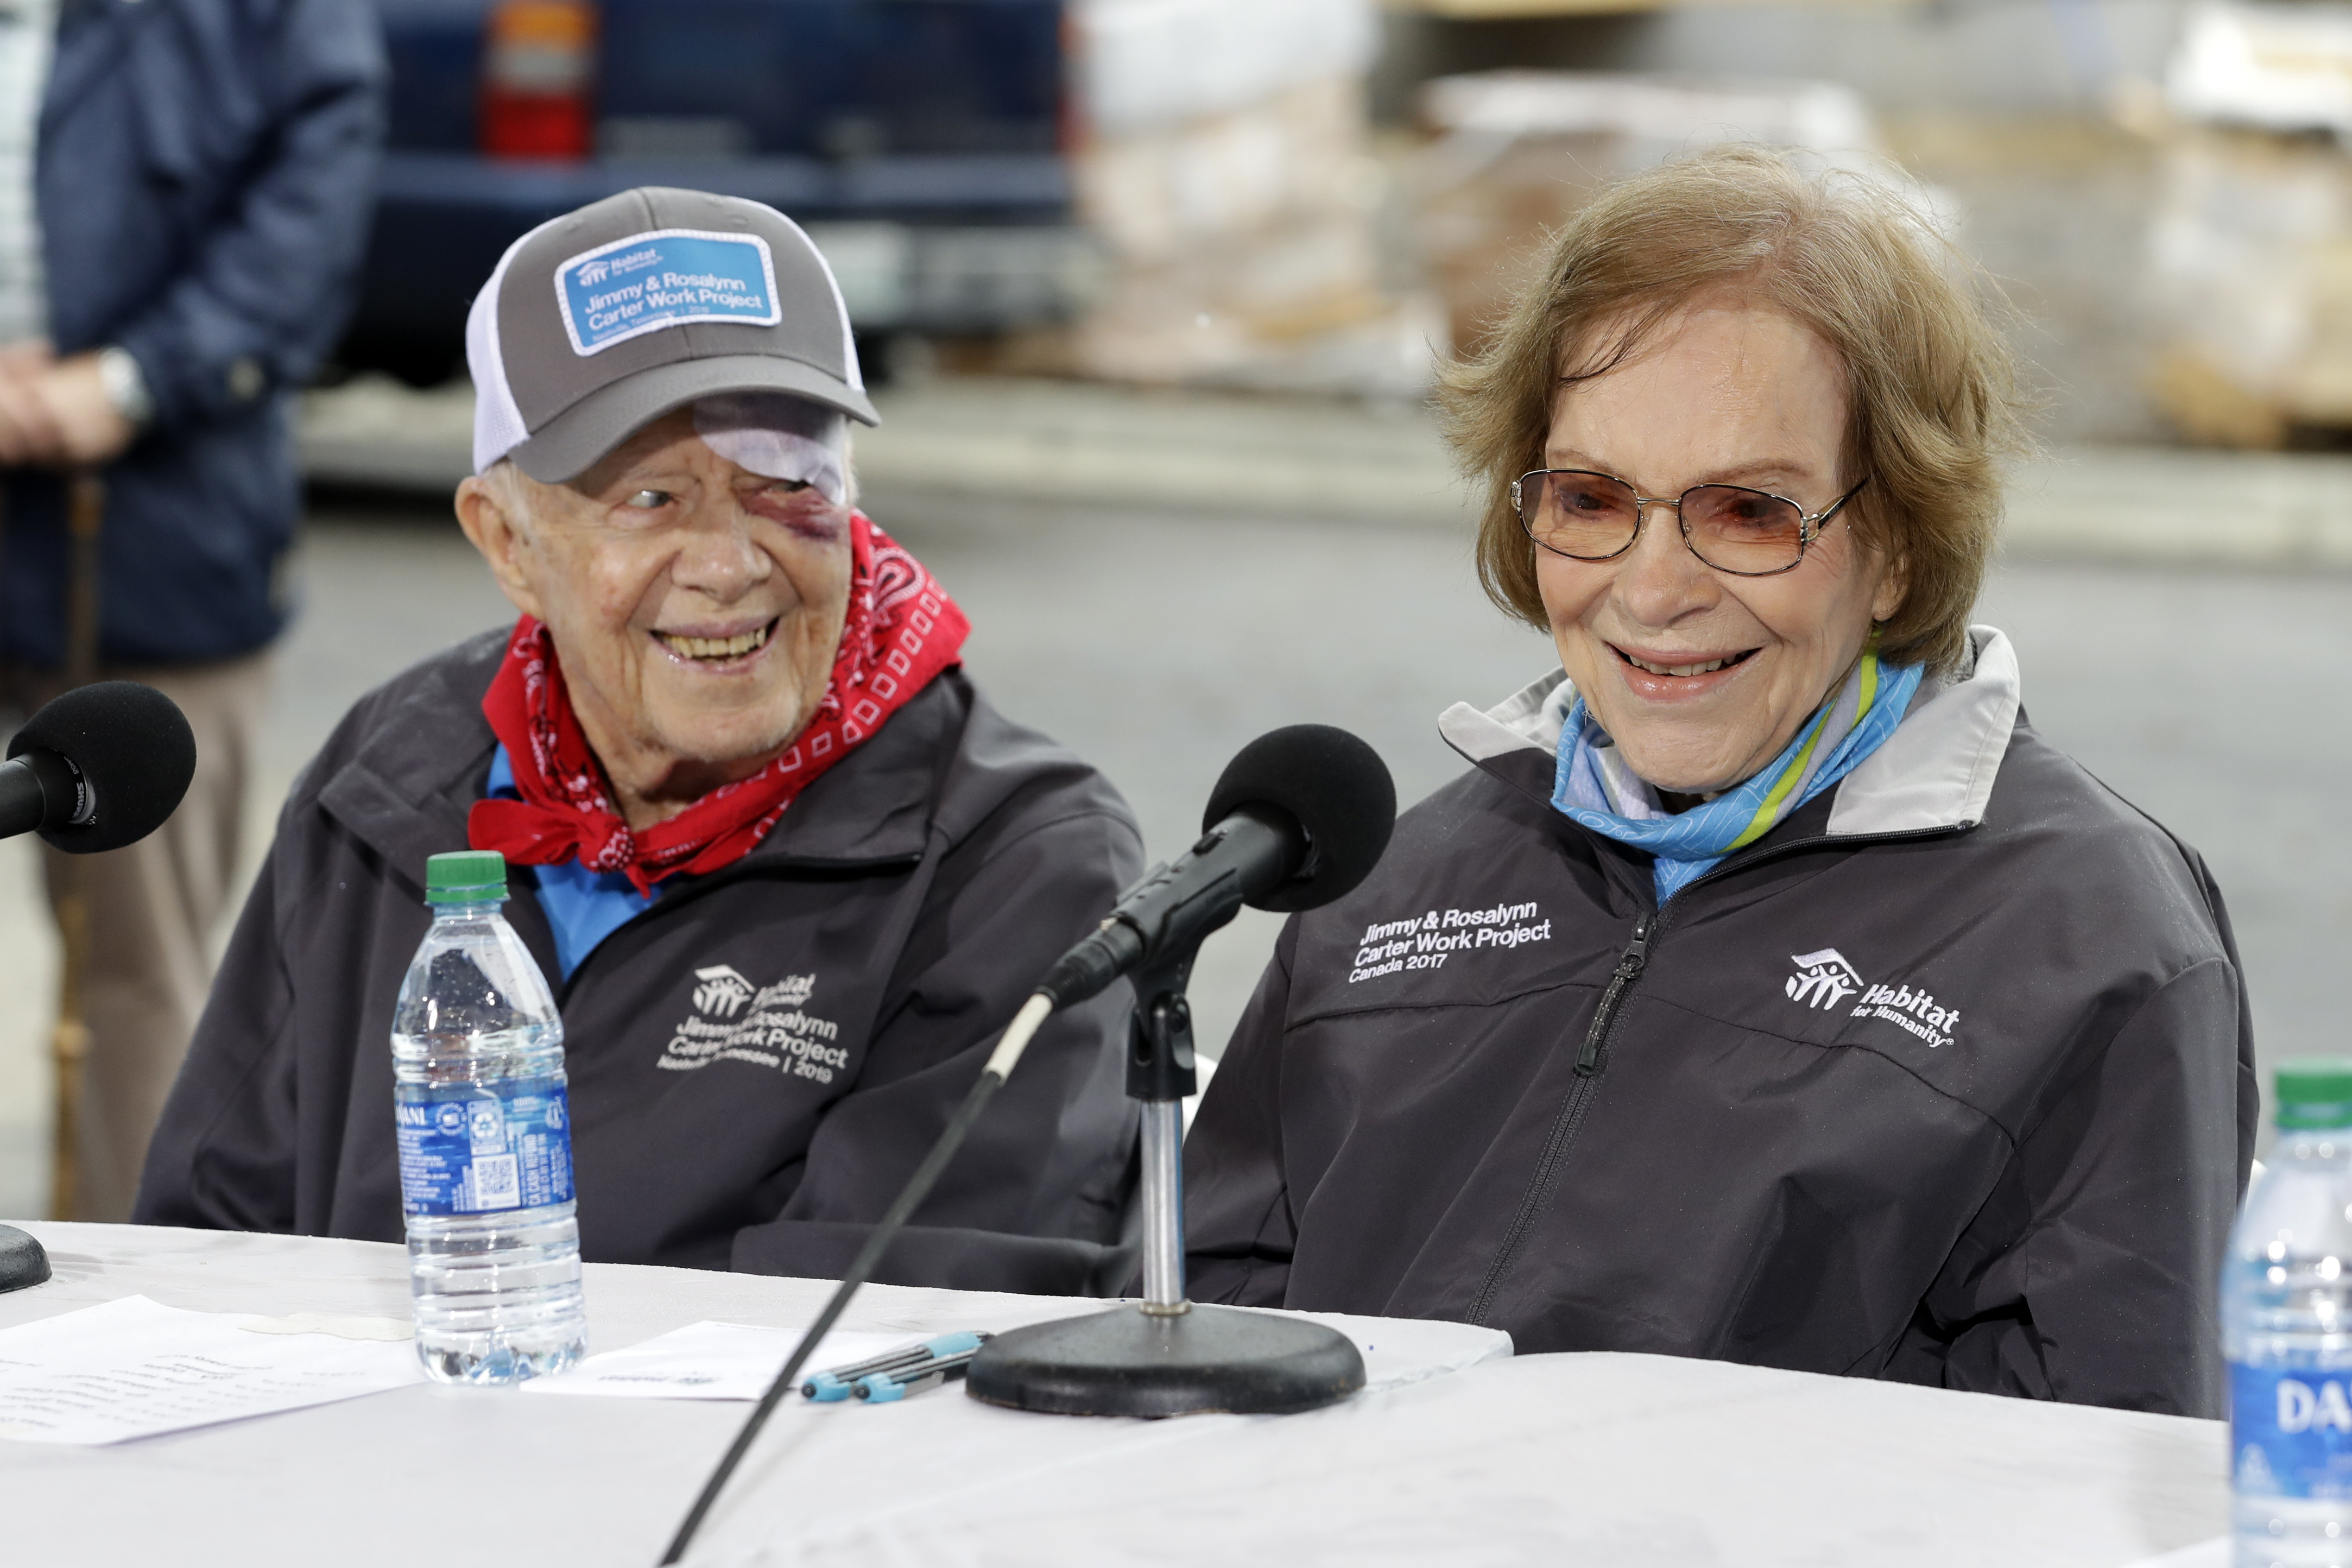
1427,941
767,1024
667,278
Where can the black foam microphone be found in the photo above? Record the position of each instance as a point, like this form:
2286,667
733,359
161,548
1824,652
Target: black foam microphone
1299,817
100,767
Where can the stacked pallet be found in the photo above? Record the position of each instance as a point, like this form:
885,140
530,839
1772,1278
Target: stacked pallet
1513,154
2251,248
1222,162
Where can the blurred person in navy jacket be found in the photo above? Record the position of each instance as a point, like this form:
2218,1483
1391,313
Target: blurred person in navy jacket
184,189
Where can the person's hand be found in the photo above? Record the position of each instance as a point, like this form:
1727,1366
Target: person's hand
28,427
88,428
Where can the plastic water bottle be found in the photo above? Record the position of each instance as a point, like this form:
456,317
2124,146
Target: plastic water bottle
2286,1329
485,1142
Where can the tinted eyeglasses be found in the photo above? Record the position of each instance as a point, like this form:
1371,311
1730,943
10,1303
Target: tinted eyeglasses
1595,517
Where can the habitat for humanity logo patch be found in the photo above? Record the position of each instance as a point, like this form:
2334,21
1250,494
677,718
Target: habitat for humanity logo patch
768,1025
1825,979
664,278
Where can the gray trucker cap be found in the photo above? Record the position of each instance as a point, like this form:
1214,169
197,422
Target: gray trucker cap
600,322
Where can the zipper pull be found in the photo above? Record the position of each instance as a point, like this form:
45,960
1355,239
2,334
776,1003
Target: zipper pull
1637,952
1628,969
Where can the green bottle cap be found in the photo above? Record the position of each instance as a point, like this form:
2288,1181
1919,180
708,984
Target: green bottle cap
465,876
2316,1092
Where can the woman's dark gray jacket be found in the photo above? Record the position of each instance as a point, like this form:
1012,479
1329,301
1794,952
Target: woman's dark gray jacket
1948,1078
878,940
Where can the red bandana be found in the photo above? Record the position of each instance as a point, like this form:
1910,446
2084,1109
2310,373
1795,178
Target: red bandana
901,631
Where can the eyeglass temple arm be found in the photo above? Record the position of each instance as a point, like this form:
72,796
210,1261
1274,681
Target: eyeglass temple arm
1820,519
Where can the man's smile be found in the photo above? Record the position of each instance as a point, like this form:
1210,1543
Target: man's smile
709,646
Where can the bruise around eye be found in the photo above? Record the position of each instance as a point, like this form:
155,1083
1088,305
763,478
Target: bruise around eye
802,508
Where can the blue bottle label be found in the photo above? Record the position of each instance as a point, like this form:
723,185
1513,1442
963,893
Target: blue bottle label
470,1148
2290,1432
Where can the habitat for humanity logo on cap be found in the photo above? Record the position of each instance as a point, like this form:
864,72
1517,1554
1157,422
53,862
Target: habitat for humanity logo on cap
664,278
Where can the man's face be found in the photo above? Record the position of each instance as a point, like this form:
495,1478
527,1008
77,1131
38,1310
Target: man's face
697,607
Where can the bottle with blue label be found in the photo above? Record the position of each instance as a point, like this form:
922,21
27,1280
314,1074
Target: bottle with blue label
485,1139
2286,1331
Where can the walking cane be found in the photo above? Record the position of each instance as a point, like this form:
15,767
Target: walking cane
70,1046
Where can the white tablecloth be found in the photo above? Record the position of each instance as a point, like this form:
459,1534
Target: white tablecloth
1584,1460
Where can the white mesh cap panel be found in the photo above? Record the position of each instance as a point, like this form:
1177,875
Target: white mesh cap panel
498,422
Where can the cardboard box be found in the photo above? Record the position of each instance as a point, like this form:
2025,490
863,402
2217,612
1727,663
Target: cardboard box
2250,263
1301,155
1222,309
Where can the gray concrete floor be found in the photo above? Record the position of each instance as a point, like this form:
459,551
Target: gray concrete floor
1156,641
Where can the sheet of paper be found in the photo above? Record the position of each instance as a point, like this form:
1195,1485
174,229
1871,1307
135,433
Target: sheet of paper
711,1361
135,1368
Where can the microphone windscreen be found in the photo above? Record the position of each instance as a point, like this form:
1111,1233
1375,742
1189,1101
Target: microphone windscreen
1333,785
133,747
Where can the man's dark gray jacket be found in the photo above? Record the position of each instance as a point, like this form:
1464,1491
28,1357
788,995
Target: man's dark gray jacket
902,907
1948,1078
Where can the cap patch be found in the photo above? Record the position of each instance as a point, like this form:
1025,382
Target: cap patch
664,278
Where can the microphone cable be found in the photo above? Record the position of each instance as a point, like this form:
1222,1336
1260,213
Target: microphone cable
1001,1063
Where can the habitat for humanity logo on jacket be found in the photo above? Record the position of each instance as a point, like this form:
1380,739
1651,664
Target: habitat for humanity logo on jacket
1825,979
766,1025
1499,1083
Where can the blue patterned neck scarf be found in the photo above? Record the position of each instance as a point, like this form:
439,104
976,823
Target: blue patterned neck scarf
1595,788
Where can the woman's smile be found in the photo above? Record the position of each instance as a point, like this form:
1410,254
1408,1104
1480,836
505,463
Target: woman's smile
1662,675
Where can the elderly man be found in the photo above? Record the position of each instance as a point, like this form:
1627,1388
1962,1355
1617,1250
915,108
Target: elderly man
791,872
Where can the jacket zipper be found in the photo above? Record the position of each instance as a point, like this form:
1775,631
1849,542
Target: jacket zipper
1628,971
1622,981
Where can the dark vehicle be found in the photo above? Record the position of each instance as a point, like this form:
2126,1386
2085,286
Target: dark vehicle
919,141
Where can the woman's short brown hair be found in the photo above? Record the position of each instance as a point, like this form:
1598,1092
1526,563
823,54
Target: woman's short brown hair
1932,389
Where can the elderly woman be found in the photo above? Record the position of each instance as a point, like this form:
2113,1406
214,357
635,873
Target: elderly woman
790,871
1769,990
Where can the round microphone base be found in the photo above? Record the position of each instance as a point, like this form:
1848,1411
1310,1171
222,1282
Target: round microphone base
22,1261
1128,1361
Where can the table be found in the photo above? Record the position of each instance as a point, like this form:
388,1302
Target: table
1459,1455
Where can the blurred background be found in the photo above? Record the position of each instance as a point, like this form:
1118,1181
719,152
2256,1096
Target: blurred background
1152,291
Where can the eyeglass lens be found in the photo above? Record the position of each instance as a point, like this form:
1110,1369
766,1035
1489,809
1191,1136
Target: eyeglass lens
1593,517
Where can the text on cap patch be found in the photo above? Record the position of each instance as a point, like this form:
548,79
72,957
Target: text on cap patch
664,278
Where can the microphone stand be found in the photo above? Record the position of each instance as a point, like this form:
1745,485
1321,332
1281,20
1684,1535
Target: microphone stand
1166,1355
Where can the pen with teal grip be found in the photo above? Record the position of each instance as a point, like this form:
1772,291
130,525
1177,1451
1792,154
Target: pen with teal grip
898,1383
829,1387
